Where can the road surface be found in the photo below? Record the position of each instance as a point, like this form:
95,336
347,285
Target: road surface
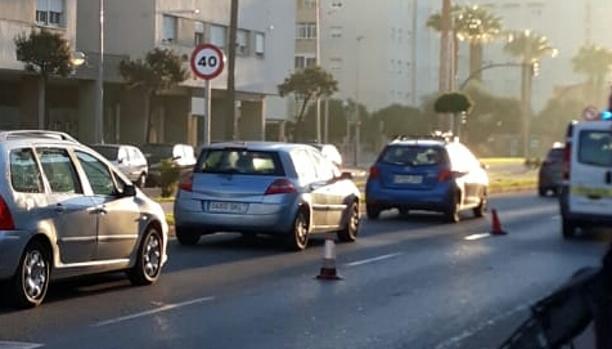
411,282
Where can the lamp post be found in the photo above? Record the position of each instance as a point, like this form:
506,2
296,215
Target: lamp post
357,111
99,106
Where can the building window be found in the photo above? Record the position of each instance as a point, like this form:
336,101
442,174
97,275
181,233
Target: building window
50,12
310,3
302,62
306,31
242,42
218,36
260,44
336,63
335,32
170,24
199,33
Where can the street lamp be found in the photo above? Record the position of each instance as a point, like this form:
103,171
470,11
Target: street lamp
357,111
77,59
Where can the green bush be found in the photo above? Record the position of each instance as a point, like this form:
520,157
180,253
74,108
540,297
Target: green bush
169,176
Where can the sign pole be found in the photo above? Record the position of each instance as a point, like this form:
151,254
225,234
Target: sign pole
208,117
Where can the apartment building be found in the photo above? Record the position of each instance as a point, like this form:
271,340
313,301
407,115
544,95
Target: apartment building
18,89
265,48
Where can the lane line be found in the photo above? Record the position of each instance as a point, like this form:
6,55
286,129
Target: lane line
161,309
18,345
475,237
373,260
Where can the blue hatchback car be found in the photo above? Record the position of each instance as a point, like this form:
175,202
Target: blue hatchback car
427,174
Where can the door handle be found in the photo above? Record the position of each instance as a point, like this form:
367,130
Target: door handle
97,210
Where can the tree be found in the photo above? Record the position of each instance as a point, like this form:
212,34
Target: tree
552,121
307,85
161,69
473,24
594,62
529,48
46,54
401,120
454,103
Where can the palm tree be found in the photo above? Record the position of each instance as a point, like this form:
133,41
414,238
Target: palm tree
473,24
595,63
529,48
477,26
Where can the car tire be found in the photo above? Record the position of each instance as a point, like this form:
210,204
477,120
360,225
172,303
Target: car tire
187,237
300,232
481,210
31,282
404,212
568,229
452,214
148,264
141,181
351,231
373,212
542,192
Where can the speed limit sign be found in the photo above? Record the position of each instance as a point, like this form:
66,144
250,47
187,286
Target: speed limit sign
207,61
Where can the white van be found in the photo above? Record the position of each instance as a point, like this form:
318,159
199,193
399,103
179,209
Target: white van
586,197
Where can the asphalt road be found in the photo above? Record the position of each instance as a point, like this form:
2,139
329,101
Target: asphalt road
411,282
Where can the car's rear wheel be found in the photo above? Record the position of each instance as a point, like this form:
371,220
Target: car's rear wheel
481,210
542,192
149,259
350,232
187,237
373,211
568,228
452,213
32,279
298,237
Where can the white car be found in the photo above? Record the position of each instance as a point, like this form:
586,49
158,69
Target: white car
128,159
586,196
330,152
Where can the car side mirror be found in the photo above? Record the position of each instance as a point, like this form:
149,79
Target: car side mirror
129,191
120,161
346,176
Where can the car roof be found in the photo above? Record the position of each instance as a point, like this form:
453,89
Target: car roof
20,136
419,142
258,146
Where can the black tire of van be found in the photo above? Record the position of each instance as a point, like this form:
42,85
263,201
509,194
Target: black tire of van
568,228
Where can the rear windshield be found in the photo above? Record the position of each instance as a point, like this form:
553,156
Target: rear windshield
595,148
413,155
108,152
240,161
555,154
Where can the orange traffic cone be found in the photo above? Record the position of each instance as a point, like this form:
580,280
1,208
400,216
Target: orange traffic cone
328,270
496,229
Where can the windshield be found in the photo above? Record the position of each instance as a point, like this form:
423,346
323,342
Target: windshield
157,152
109,153
413,156
245,162
595,148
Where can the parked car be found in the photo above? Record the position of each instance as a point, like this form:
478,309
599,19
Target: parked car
330,152
65,212
286,190
550,176
128,159
182,155
427,174
586,194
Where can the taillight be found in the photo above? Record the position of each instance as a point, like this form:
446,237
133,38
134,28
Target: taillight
567,160
186,184
281,186
374,172
6,219
445,175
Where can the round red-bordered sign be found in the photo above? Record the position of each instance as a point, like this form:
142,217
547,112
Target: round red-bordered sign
207,61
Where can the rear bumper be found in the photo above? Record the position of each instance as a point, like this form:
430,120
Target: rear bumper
12,244
438,198
261,218
579,218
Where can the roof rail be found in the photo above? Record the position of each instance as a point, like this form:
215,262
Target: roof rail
5,135
437,135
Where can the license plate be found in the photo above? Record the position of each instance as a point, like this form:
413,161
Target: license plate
407,179
227,207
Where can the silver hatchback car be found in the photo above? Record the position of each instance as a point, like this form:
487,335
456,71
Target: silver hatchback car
65,211
287,190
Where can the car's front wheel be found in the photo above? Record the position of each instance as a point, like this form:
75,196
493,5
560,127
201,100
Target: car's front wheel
149,259
481,209
187,237
351,230
373,212
32,279
298,237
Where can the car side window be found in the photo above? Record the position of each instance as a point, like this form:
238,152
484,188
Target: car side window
59,170
25,174
304,165
98,174
134,155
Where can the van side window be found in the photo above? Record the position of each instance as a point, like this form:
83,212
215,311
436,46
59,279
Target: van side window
25,174
59,170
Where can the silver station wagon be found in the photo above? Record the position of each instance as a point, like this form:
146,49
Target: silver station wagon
65,211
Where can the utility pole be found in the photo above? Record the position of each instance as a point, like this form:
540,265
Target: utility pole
447,66
232,120
318,59
99,108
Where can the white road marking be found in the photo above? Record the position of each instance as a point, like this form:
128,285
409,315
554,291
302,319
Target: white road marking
18,345
161,309
455,341
372,260
474,237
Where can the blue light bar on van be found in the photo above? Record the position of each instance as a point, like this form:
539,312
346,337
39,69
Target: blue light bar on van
606,116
